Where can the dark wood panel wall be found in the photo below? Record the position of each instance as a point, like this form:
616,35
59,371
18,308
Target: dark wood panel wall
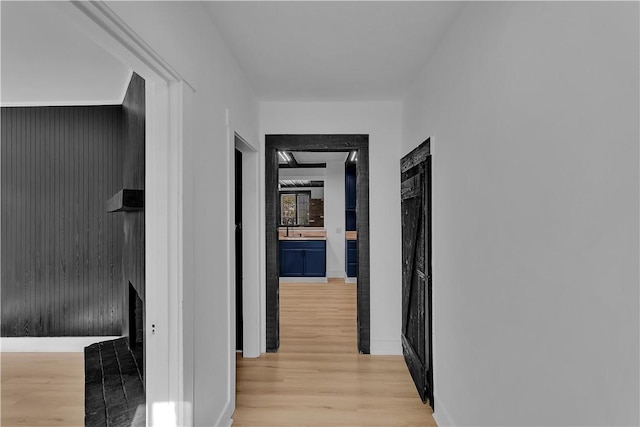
61,252
133,120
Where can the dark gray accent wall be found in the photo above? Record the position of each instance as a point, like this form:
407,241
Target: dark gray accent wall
274,143
133,125
61,251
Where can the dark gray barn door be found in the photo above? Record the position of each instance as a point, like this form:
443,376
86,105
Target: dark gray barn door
416,268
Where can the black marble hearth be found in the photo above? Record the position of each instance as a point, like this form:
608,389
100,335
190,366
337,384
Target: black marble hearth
114,387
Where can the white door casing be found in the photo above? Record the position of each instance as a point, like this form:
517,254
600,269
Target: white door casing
164,90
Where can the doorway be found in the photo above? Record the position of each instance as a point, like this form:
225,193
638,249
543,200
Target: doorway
316,143
238,239
244,251
165,92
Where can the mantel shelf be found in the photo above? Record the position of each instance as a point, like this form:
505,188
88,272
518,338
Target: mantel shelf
126,200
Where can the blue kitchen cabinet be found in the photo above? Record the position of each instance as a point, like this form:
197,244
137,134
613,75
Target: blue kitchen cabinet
291,261
314,262
351,255
303,258
350,186
350,197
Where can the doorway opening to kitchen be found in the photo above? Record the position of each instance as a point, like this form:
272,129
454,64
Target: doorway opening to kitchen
317,228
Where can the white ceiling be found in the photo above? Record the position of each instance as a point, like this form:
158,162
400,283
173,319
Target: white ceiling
320,157
321,50
317,50
45,61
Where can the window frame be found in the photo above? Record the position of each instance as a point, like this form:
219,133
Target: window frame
296,192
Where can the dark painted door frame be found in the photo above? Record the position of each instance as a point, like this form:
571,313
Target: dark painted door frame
346,143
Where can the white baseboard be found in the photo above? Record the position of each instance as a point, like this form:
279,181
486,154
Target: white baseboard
350,280
303,280
49,344
337,274
386,347
225,420
441,415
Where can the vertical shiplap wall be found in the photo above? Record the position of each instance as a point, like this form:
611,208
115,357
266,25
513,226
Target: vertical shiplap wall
61,252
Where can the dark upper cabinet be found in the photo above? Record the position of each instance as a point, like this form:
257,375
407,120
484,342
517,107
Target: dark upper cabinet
350,197
350,220
350,186
351,255
303,258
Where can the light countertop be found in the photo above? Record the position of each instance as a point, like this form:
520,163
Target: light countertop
303,233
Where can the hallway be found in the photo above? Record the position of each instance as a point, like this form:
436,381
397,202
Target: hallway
318,378
532,113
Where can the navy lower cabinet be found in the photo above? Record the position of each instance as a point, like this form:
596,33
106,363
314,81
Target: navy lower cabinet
303,258
291,261
351,255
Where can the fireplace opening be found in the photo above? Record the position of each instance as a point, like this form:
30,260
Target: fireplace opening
136,325
114,392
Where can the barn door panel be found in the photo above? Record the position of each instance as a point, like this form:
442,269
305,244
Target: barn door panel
416,269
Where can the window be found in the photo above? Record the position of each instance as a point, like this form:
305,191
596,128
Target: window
294,208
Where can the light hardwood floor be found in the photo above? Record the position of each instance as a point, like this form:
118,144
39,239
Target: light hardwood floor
42,389
318,378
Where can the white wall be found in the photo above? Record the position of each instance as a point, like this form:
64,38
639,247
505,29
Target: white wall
309,174
534,112
334,218
381,120
46,63
181,32
315,192
303,173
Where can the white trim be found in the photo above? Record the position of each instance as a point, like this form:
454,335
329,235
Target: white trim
303,280
225,420
131,48
250,247
386,347
336,274
241,144
441,415
262,240
231,278
348,279
158,233
62,103
49,344
176,293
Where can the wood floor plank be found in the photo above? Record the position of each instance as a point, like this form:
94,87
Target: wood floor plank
318,378
42,389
